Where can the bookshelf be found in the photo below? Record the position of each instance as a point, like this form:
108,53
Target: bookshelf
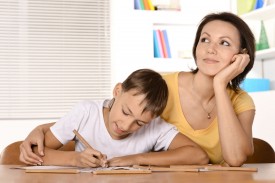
261,14
132,35
267,14
265,59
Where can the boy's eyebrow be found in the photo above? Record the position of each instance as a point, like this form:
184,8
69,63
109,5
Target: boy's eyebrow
133,115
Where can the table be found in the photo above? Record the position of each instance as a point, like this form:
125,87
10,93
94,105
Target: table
266,173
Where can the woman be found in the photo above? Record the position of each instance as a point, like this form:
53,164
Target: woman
207,104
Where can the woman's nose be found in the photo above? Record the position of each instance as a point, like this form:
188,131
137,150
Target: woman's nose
211,49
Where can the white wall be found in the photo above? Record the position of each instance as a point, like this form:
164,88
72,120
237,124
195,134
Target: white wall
264,122
124,57
15,130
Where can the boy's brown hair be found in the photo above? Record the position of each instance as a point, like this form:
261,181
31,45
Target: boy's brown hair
152,85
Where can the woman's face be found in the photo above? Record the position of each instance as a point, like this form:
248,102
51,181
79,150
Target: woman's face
219,42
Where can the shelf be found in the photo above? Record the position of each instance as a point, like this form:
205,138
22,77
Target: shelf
164,17
265,54
261,14
170,65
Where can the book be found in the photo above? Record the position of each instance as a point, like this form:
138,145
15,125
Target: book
159,43
142,7
146,5
162,41
137,5
151,6
156,45
167,45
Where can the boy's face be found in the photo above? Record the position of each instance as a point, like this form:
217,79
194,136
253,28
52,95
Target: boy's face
125,116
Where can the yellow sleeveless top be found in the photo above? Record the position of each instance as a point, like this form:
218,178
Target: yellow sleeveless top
207,138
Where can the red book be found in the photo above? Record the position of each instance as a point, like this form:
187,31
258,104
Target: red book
163,44
160,44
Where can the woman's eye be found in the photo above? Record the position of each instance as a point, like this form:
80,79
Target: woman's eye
225,43
204,40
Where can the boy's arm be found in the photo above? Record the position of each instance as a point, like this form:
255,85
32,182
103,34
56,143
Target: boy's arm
35,138
182,151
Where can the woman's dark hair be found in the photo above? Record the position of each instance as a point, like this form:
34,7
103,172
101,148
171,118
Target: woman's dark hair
247,41
150,83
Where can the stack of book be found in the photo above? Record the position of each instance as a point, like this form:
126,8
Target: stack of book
161,44
157,5
143,5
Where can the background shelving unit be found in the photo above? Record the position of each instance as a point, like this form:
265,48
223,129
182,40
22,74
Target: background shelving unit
263,125
132,35
266,14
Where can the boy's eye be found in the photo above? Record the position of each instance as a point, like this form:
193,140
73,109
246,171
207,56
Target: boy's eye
139,123
126,114
225,43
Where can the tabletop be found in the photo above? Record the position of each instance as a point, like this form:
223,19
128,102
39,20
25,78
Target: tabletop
265,173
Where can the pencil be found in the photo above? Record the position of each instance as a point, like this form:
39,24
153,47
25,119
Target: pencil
82,140
62,171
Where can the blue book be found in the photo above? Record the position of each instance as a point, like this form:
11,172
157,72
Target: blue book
156,45
165,36
137,5
259,4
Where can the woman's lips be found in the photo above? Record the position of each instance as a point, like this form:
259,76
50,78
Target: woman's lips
210,61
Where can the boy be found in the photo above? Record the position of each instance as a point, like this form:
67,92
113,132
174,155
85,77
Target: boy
126,129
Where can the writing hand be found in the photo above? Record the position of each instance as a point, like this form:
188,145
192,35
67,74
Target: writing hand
90,158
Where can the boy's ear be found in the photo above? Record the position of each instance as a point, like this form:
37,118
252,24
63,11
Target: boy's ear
117,89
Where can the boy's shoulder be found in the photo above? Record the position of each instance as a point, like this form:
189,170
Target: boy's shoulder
159,123
88,104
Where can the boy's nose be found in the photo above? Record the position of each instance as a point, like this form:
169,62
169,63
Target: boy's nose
126,125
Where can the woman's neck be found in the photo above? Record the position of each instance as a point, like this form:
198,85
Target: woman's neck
203,86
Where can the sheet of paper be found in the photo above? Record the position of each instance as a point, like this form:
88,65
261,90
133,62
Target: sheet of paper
44,167
88,170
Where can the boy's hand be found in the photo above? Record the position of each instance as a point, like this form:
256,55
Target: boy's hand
90,158
124,161
27,156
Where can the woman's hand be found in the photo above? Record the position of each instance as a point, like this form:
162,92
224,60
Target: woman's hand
237,66
90,158
35,138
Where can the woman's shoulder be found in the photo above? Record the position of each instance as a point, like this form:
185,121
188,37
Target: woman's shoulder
241,100
239,94
174,76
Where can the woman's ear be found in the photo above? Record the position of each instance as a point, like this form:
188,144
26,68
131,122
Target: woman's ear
117,89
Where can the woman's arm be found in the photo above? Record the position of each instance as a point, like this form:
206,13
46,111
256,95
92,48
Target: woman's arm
35,138
235,131
53,156
181,151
